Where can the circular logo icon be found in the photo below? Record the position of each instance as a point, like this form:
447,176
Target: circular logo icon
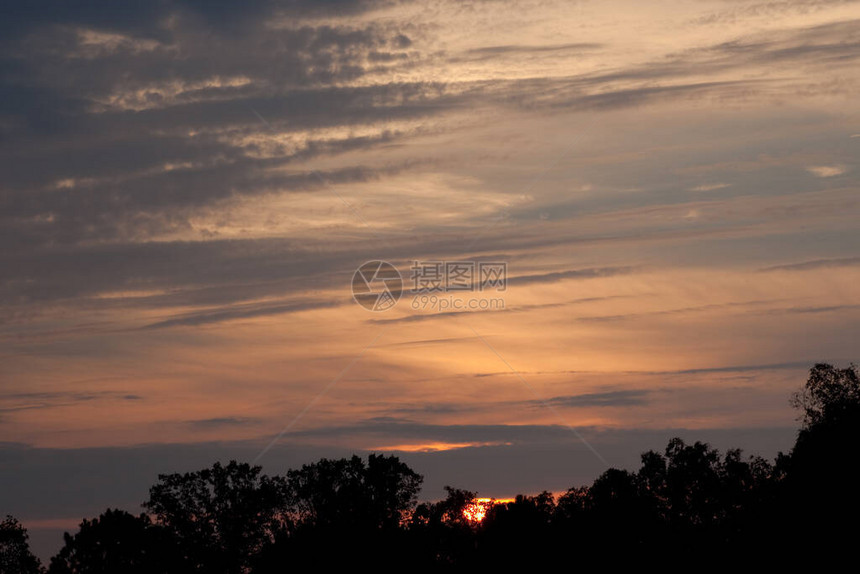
377,285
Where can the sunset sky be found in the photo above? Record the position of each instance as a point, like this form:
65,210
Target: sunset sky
187,188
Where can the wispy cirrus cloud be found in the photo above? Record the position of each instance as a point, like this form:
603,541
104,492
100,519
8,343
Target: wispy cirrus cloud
816,264
826,170
625,398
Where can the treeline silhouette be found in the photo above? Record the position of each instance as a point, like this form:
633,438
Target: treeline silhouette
687,506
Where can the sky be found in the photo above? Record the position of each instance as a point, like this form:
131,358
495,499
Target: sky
187,189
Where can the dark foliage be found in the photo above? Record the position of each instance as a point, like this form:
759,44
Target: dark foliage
117,541
222,516
821,473
15,555
341,509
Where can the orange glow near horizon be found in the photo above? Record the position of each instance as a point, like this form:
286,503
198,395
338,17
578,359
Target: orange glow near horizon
435,446
477,510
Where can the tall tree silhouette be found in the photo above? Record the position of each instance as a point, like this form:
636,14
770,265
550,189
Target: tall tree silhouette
822,499
220,516
516,534
441,534
831,396
348,492
342,508
15,555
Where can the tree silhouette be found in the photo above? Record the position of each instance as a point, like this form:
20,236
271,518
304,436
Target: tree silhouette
15,555
348,492
821,500
685,504
442,535
689,496
117,541
830,397
220,516
452,510
570,508
512,533
353,507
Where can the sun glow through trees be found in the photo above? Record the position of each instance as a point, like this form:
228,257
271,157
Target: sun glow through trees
477,510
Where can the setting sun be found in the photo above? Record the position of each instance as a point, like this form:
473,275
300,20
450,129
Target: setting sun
477,510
